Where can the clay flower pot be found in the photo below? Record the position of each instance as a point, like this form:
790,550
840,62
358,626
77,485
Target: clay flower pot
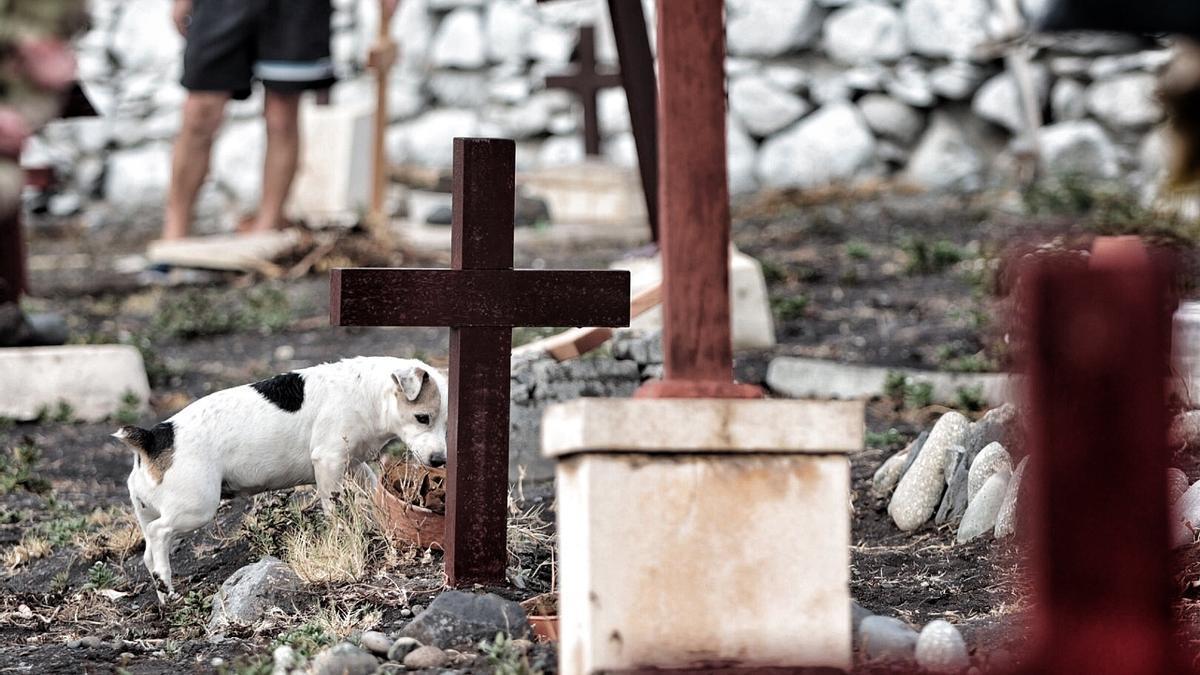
401,500
543,616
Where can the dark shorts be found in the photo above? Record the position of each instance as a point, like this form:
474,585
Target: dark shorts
282,43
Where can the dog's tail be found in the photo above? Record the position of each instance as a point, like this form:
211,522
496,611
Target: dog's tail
149,443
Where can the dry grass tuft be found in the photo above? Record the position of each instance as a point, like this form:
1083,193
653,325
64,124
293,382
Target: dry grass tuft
31,547
340,549
531,547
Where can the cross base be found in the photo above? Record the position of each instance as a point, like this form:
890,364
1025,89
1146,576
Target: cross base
698,389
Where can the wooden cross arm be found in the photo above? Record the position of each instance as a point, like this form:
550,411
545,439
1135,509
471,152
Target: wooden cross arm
463,298
579,80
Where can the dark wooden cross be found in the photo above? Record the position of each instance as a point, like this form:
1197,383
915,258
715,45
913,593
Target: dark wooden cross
481,298
1098,344
586,82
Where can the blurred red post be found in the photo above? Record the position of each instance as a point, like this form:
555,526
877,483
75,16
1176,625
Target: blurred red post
1098,349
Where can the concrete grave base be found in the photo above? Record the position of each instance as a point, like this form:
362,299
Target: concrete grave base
592,193
753,325
92,379
695,532
333,183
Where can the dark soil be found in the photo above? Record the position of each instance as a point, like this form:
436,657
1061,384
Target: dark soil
895,280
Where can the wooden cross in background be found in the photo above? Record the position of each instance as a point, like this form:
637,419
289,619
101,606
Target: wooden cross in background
586,81
482,298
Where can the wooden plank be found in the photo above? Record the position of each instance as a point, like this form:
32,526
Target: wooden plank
441,297
576,342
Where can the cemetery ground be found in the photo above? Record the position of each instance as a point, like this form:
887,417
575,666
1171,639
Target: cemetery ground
884,278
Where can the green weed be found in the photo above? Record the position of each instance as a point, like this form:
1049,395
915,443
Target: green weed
790,307
17,469
195,313
307,639
885,439
930,258
129,410
918,395
101,576
773,273
505,658
857,250
191,612
970,398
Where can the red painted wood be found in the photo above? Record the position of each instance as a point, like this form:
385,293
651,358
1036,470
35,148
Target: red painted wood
481,298
439,297
1099,339
694,201
585,80
12,255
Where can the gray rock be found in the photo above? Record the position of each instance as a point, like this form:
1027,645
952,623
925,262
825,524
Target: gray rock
888,474
865,32
998,425
941,649
426,657
508,26
459,88
1188,505
1078,148
786,76
1177,484
455,618
956,80
999,99
954,501
458,42
829,145
890,118
90,642
954,458
249,592
950,28
991,459
980,516
885,638
742,154
376,642
1126,101
1181,534
343,659
920,489
857,614
910,84
762,107
945,159
914,450
138,177
1092,43
1104,67
284,658
770,27
426,140
401,648
1185,429
1006,518
1067,101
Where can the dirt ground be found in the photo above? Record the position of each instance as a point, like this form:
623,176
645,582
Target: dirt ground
891,279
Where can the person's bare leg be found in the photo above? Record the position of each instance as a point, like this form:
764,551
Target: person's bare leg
282,112
202,115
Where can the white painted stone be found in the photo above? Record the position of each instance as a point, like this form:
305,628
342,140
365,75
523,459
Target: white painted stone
941,648
334,177
999,99
237,161
458,88
1126,101
786,76
612,110
528,118
1067,100
428,139
762,107
621,150
888,474
1104,67
1006,517
508,27
910,84
742,154
868,77
956,80
752,323
584,192
705,533
459,41
832,144
890,118
1078,147
950,28
992,459
920,489
138,177
146,37
1188,506
1177,484
980,516
770,27
946,158
865,32
92,379
552,45
412,30
799,377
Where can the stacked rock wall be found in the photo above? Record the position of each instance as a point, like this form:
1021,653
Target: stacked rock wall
820,91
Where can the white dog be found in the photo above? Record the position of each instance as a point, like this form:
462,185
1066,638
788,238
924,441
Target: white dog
303,427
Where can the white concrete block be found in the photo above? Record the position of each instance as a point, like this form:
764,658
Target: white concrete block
333,182
92,379
723,538
752,324
799,377
589,192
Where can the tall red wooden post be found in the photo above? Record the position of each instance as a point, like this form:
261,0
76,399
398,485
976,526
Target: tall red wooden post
693,197
1099,341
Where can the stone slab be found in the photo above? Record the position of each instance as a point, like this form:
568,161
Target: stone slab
798,377
92,379
237,252
752,323
591,193
738,558
702,425
333,182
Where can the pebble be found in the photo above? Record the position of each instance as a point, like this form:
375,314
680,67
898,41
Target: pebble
91,642
217,662
376,642
73,644
990,460
284,658
401,648
426,657
885,638
405,612
981,512
1006,518
1177,484
888,474
941,649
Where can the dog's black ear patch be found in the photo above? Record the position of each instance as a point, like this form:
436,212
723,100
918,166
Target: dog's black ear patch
285,391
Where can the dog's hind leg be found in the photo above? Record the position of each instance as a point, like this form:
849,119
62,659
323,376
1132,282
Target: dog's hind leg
329,468
160,534
145,515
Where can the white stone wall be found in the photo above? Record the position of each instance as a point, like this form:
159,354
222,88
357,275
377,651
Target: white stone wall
821,91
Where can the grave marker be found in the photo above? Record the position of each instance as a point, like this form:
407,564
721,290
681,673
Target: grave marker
482,298
586,82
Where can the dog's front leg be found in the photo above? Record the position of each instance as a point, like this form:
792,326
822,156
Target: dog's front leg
329,467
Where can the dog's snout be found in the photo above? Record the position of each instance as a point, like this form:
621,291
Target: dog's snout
437,460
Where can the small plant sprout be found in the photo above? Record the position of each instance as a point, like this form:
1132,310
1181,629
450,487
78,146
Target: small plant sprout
970,398
101,576
129,412
884,439
857,250
16,469
506,658
789,307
